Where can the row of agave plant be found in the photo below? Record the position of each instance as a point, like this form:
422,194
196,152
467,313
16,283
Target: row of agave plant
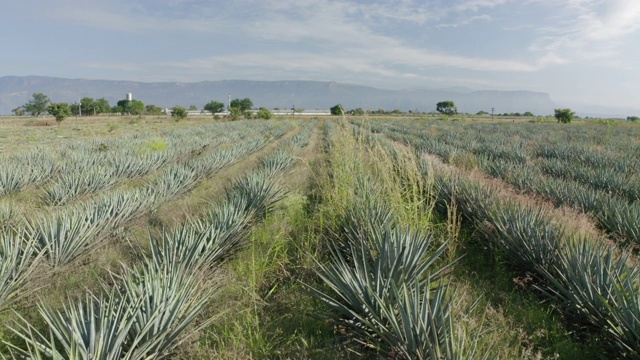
57,238
91,165
615,214
386,284
606,162
595,283
146,311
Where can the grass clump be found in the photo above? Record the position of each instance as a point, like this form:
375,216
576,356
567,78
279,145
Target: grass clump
157,145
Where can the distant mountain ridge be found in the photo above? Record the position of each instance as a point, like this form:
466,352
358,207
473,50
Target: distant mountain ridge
17,90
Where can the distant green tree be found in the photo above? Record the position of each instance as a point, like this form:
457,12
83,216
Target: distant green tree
19,111
75,109
481,112
633,118
101,106
446,107
136,107
152,110
396,112
337,110
528,113
264,113
88,106
564,115
356,111
37,105
120,107
178,113
133,107
193,107
242,104
59,111
214,107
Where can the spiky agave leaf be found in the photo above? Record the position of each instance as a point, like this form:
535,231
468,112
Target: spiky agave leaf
523,235
360,286
18,260
12,178
624,325
256,193
419,323
277,162
171,298
77,182
203,244
96,328
589,280
9,211
63,236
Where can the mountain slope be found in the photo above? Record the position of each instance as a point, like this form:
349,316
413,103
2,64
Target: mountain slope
17,90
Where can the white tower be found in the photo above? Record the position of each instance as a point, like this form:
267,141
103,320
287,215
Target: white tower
129,96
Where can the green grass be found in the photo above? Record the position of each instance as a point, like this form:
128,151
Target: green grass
157,145
267,312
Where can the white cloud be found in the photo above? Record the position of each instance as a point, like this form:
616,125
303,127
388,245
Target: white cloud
590,30
129,16
466,21
475,5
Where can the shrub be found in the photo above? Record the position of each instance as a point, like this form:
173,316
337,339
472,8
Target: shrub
178,113
564,115
264,113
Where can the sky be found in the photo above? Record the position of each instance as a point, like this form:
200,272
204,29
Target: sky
578,51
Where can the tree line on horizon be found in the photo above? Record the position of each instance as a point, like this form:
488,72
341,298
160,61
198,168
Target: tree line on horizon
40,104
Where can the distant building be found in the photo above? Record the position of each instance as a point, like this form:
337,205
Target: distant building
312,112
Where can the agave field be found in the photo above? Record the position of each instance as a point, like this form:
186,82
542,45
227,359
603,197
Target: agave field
321,239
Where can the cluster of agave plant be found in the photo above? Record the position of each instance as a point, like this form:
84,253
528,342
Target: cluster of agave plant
386,284
68,163
146,311
594,282
554,164
57,237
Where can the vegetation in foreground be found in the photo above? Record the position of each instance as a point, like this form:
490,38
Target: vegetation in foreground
380,252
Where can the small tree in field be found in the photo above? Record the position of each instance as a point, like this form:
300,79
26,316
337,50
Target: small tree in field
178,113
152,110
214,107
564,115
446,107
59,111
37,105
242,104
337,110
264,113
19,111
235,113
